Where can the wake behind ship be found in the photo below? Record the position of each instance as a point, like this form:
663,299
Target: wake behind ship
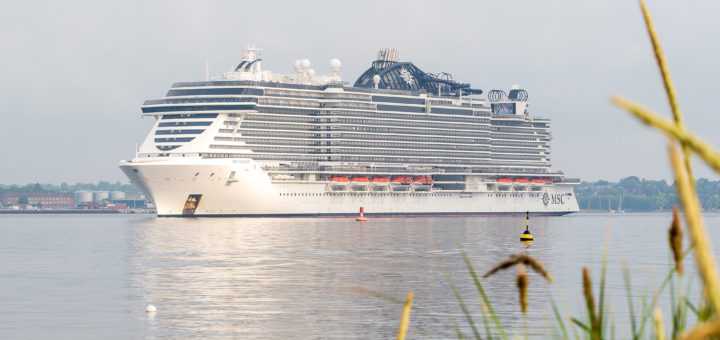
400,141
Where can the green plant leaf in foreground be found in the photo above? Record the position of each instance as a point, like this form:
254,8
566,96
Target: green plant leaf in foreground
484,296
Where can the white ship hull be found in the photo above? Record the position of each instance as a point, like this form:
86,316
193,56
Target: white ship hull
239,187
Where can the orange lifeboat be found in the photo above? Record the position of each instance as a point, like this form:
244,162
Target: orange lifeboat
548,180
537,180
504,180
423,180
339,179
359,179
401,180
521,180
380,180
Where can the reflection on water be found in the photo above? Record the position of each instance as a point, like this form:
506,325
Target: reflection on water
303,278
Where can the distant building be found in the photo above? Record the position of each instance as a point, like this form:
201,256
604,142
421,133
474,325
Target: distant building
133,204
44,199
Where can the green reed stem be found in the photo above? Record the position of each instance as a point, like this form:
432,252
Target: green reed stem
559,319
460,301
484,296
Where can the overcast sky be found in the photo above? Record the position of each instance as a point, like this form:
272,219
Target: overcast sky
74,74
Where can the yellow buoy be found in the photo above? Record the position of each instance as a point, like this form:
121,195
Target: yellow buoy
526,236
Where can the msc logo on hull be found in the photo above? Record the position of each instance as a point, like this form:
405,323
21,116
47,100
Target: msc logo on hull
553,199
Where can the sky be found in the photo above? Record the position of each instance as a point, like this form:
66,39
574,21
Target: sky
73,74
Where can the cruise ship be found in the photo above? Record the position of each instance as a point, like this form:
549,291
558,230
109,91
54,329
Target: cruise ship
398,142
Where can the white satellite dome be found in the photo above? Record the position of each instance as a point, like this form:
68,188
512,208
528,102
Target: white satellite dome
311,73
298,66
335,65
305,64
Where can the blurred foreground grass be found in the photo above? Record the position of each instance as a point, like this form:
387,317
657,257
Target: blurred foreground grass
595,324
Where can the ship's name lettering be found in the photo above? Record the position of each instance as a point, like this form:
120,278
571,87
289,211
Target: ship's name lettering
553,199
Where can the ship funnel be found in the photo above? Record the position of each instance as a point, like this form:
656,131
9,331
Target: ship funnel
388,54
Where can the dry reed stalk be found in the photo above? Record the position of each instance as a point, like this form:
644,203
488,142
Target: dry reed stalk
659,325
703,254
696,144
667,81
662,65
704,330
587,292
590,302
405,320
522,284
521,259
675,238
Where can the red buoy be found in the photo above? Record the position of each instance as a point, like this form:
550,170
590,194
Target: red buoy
361,218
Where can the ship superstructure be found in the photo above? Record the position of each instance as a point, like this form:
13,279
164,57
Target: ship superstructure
398,142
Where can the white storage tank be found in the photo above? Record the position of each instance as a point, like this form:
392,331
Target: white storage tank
83,197
99,196
117,195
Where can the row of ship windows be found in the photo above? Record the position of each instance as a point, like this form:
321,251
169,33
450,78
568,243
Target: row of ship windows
362,151
353,128
290,93
404,146
288,102
310,112
174,140
321,150
539,137
371,121
349,105
183,123
524,123
284,93
179,132
365,121
307,124
314,95
496,129
471,119
368,114
257,126
360,194
365,136
519,144
301,94
399,152
157,109
213,92
333,142
513,195
190,116
194,100
378,159
435,111
363,140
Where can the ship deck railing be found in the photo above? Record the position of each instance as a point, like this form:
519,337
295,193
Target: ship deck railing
332,170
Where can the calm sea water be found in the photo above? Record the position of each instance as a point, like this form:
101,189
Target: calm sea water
92,276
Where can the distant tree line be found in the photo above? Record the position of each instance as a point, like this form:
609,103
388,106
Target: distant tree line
634,194
70,188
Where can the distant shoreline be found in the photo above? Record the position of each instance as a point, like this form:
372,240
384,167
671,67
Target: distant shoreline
74,211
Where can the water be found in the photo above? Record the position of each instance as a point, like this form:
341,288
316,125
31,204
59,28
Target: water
92,276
